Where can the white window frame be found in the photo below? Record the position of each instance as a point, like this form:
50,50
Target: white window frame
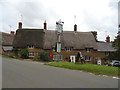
54,56
60,56
57,56
31,54
87,58
88,49
68,49
31,47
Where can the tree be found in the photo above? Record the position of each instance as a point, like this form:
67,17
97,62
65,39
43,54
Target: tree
24,53
95,35
116,44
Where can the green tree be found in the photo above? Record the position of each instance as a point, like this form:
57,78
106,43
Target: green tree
95,35
24,53
116,44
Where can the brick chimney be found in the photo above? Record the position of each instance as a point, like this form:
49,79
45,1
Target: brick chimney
75,28
45,26
108,39
12,33
20,25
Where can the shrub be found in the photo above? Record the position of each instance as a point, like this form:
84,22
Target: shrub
23,53
44,56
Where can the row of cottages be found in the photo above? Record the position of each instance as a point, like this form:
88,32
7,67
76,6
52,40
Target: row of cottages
61,45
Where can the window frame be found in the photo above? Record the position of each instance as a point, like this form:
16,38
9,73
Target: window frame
87,49
107,53
31,54
30,46
57,57
87,58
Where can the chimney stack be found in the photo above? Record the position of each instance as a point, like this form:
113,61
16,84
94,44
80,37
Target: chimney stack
119,30
75,28
45,26
12,33
108,39
20,25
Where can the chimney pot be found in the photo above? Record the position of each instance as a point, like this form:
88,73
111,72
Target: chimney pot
108,39
45,26
20,25
75,27
12,32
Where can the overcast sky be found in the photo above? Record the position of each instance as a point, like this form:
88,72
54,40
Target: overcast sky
91,15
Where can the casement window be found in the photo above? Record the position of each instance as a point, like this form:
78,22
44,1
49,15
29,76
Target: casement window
87,49
68,49
31,54
87,58
107,53
57,57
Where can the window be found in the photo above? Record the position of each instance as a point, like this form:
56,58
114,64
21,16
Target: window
107,53
57,57
87,58
30,46
31,54
68,49
87,49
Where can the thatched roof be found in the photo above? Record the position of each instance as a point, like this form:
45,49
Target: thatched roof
77,40
7,39
28,37
47,40
50,39
105,47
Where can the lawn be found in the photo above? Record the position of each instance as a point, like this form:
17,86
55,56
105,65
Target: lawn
93,68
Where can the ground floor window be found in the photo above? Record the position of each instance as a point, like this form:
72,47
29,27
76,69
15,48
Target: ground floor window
31,54
87,58
107,53
57,57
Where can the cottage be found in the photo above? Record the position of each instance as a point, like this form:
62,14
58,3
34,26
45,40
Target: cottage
62,45
7,41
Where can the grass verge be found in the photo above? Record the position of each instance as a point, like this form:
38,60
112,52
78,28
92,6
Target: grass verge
96,69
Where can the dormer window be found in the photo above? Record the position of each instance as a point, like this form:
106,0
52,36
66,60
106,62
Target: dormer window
30,46
87,49
68,49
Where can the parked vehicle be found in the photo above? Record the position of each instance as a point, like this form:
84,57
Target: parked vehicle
115,63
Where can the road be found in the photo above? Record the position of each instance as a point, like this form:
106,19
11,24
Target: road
28,74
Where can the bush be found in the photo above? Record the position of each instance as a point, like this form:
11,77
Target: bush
44,56
24,53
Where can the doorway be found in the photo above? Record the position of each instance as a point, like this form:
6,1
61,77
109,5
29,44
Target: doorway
72,58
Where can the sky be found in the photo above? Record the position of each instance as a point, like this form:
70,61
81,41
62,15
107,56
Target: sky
89,15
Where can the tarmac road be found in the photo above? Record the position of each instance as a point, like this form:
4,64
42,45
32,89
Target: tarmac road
28,74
